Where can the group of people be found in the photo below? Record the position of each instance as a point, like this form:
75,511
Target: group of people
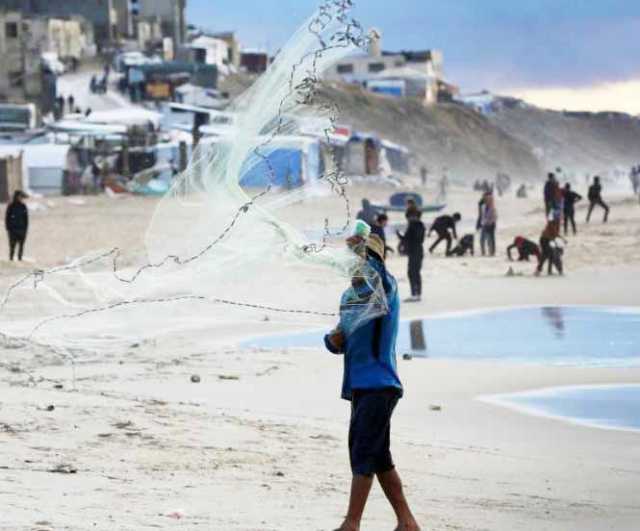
68,106
560,209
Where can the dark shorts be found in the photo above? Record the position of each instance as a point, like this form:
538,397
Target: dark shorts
370,431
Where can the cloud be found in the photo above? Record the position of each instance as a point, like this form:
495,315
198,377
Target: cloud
621,97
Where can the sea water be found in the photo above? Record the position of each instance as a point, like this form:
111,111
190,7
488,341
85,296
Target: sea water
549,335
602,406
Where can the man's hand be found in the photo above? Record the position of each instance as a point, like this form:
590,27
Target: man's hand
335,341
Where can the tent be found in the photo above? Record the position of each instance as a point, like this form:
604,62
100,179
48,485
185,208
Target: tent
44,166
291,162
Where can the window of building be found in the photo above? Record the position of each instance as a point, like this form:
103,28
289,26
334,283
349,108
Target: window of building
15,79
376,67
11,30
345,69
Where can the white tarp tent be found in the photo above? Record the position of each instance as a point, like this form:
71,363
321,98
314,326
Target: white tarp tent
44,166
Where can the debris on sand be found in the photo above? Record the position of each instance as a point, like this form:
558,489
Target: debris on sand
64,469
435,407
195,378
228,377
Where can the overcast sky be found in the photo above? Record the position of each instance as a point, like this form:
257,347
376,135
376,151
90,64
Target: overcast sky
559,53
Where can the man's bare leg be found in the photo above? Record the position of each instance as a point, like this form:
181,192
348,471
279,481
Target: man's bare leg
360,489
392,487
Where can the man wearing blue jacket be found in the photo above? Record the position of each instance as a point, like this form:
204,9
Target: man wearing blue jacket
367,336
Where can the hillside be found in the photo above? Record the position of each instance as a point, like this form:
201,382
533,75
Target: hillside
577,142
445,135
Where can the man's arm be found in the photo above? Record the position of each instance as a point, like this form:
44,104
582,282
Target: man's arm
7,216
453,229
509,249
334,341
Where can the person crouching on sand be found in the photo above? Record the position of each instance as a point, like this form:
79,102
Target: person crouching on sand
372,385
548,252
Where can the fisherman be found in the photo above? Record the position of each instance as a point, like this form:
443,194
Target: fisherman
635,179
595,199
411,208
412,243
378,227
71,101
16,221
372,385
445,228
549,189
548,252
570,200
526,249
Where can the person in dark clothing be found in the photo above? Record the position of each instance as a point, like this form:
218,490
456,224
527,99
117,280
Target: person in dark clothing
16,221
368,213
71,101
570,200
378,228
549,253
372,385
466,245
595,199
549,194
526,249
412,243
445,228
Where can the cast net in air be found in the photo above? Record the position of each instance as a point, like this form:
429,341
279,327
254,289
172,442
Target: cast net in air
235,241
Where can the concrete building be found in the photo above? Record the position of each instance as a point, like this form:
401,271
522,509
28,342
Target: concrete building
100,13
125,27
233,47
407,73
171,14
67,38
20,76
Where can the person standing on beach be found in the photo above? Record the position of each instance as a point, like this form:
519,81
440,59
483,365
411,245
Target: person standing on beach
412,242
372,385
16,222
487,220
381,222
549,194
595,199
445,228
570,200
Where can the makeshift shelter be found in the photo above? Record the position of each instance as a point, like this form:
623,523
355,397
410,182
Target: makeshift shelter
292,162
362,155
397,156
44,167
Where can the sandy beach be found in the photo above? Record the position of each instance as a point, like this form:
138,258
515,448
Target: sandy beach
260,442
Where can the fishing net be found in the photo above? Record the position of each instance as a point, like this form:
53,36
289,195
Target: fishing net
232,242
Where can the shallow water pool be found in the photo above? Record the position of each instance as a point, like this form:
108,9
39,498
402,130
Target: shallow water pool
604,406
550,335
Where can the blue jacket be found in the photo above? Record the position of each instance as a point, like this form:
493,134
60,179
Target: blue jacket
370,346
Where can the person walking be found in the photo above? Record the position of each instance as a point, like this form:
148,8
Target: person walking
372,385
16,222
570,200
445,228
595,199
487,220
412,243
549,193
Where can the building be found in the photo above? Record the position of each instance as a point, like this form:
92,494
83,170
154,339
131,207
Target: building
172,15
20,75
417,74
125,27
254,61
206,50
99,13
233,47
67,38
